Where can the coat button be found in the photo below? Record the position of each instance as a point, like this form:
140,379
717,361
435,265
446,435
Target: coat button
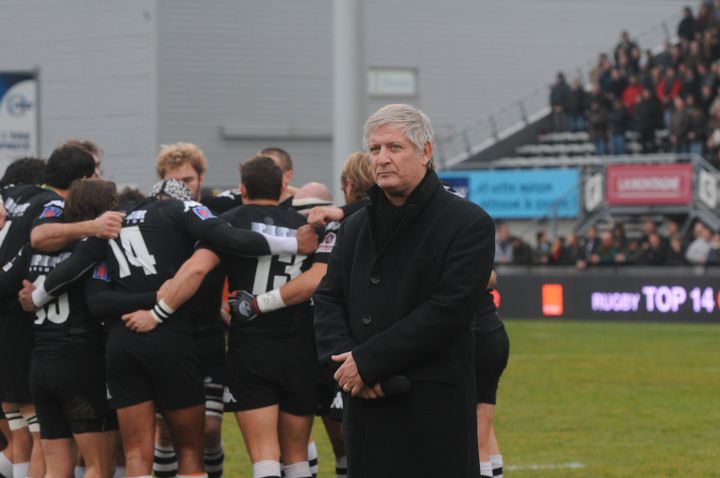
375,279
367,319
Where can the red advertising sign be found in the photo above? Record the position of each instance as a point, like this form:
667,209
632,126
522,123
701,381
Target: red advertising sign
649,185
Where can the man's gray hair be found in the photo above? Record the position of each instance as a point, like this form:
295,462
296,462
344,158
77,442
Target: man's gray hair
415,124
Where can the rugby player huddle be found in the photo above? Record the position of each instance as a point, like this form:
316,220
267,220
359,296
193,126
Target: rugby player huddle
118,354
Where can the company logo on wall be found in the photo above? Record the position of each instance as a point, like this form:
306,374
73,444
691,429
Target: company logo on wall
18,116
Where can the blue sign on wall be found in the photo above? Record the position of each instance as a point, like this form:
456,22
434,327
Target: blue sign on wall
520,193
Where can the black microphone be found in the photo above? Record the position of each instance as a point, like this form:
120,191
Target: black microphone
395,385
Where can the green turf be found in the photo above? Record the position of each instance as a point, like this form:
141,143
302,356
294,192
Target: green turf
612,399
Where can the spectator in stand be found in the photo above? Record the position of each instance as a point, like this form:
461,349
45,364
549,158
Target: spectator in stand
694,56
589,247
696,127
635,59
598,128
648,116
577,104
713,137
607,252
663,59
631,254
521,251
707,76
632,91
542,248
698,250
714,254
503,245
618,124
619,236
704,18
686,27
557,252
559,98
617,83
679,126
666,91
710,46
655,253
707,97
676,56
676,252
625,66
690,85
624,46
572,252
600,73
672,229
596,94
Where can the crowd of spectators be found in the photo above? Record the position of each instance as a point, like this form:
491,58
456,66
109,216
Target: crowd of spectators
633,90
653,246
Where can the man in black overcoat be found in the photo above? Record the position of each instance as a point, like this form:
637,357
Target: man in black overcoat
404,279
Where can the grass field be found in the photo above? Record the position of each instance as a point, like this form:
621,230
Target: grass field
592,399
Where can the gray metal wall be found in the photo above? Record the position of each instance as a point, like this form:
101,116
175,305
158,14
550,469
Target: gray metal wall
235,76
96,62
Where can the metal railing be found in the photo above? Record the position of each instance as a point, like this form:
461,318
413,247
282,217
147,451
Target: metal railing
507,120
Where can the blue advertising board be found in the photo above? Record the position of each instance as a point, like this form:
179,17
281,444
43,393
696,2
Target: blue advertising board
520,193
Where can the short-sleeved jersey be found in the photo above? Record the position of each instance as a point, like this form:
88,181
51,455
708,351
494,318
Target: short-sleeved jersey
64,324
265,273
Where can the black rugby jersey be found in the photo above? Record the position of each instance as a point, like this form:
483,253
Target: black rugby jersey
64,324
155,240
268,272
223,202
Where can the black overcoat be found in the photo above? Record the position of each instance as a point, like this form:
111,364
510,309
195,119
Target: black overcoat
406,310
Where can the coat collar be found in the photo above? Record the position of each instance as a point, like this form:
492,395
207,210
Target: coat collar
417,201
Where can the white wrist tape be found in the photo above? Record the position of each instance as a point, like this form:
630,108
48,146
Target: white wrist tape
270,301
161,311
281,245
40,297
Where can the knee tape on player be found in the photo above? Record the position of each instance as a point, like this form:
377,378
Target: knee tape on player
32,422
15,420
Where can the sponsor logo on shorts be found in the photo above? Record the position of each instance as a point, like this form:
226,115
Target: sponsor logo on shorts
337,402
228,396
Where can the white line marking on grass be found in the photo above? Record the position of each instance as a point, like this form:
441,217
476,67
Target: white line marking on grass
550,466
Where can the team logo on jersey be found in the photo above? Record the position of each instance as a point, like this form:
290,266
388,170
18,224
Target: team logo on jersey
203,212
101,272
51,211
328,243
7,266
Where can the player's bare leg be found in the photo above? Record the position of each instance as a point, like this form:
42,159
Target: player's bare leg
97,451
137,429
60,457
186,428
37,459
294,434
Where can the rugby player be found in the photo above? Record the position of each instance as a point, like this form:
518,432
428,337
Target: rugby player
67,375
159,367
271,367
28,206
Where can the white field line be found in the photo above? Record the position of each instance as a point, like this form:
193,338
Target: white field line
550,466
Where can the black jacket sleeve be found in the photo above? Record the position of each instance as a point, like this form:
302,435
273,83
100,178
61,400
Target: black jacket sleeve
332,328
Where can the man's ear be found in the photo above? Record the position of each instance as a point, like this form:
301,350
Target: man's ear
427,152
243,192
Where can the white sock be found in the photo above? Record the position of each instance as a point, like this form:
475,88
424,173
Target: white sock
300,469
214,461
313,458
20,470
497,465
119,472
341,467
165,463
266,469
6,466
485,469
79,471
192,476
